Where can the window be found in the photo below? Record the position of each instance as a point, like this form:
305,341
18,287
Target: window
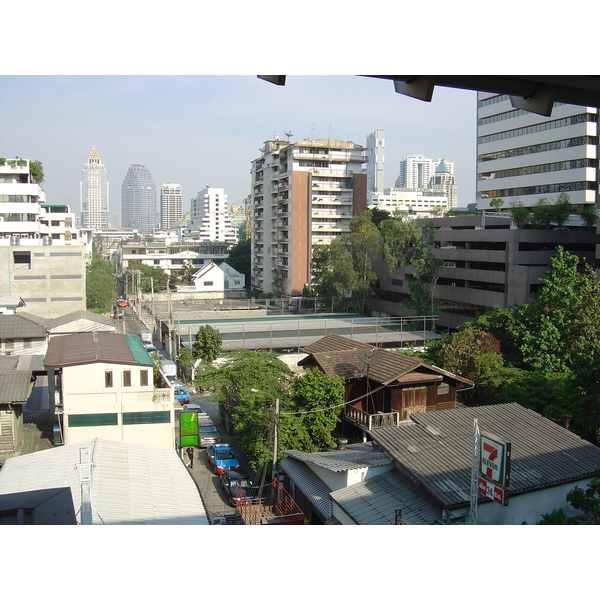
127,378
108,379
22,258
137,418
92,420
144,377
208,283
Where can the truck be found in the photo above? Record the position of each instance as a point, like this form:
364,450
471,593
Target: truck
169,368
146,337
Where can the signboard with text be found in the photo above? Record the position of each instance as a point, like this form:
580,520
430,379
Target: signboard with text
188,428
494,468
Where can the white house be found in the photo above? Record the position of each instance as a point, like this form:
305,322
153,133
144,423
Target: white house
103,385
216,281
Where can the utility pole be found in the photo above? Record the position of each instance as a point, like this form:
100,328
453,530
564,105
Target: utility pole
275,427
474,475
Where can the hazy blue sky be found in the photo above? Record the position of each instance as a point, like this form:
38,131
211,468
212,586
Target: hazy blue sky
205,130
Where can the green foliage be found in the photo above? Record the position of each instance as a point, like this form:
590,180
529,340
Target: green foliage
208,344
404,243
496,203
332,271
240,259
365,244
589,216
100,285
378,215
587,501
186,357
36,171
185,275
318,397
519,213
149,276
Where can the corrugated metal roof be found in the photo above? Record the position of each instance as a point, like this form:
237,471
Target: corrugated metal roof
376,500
130,483
15,386
437,449
312,486
18,327
95,320
139,353
89,347
354,456
336,355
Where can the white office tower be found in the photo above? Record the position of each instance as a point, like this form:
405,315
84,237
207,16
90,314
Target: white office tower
170,204
138,199
443,181
93,193
375,161
523,157
417,170
210,219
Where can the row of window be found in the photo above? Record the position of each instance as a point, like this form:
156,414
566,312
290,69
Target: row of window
109,382
506,115
503,135
534,149
131,418
564,165
556,188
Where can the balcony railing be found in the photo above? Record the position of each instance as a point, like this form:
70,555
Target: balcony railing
372,421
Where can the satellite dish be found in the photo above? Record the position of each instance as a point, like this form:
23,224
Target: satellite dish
370,355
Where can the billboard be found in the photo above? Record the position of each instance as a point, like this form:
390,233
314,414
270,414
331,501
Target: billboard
188,428
494,467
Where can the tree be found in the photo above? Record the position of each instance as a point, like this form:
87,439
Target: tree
316,400
589,216
496,203
560,211
520,214
378,215
365,242
100,285
240,259
587,500
247,386
404,243
208,344
332,270
185,275
150,277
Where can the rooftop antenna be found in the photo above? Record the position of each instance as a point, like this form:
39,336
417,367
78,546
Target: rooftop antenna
370,356
312,130
288,134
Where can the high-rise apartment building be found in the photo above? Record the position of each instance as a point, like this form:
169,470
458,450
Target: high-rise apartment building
138,199
303,194
443,181
417,170
210,218
93,193
524,157
170,204
375,161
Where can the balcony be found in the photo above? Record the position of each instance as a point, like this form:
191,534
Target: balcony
368,422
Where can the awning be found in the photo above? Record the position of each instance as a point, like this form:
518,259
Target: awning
311,486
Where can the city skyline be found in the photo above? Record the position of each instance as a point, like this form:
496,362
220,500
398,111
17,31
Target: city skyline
205,130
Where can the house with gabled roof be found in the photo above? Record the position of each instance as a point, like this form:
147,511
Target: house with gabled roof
216,281
383,388
20,335
105,385
16,387
74,322
424,474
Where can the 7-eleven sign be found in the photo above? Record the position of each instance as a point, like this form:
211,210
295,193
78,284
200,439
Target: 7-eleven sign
494,468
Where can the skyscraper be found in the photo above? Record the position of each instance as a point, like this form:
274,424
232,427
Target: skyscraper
170,204
375,161
93,193
524,157
138,199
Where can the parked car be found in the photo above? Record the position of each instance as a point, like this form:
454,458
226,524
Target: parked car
195,407
207,431
222,458
230,480
122,302
181,394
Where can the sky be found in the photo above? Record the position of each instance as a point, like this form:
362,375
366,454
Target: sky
204,130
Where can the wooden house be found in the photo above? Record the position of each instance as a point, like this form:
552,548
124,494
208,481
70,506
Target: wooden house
383,388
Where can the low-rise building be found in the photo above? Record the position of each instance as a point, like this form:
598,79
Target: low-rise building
104,385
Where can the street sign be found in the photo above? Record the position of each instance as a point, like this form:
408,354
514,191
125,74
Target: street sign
188,428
